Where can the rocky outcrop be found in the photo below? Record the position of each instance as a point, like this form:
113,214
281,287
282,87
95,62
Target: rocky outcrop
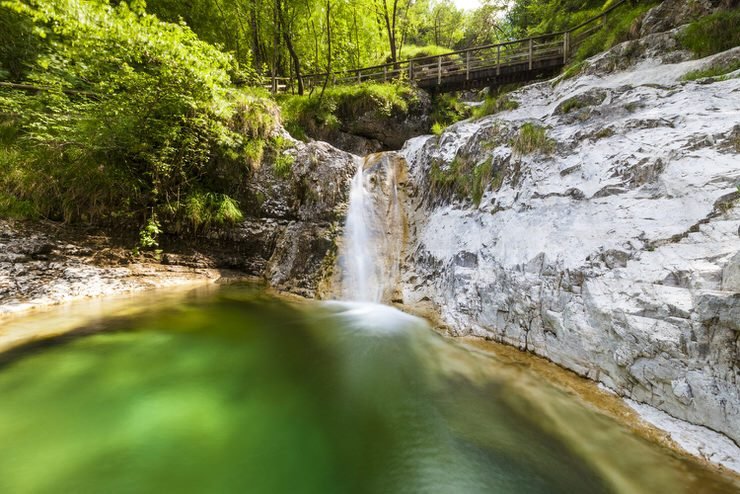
670,14
294,218
617,255
45,264
288,239
372,130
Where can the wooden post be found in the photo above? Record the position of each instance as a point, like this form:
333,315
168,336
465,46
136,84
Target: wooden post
385,73
498,60
530,53
439,71
359,77
467,66
566,46
411,70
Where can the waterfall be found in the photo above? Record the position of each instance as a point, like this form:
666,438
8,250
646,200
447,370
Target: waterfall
373,232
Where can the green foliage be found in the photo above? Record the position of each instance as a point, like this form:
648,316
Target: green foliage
573,70
206,209
283,166
343,104
495,104
532,138
464,179
139,113
713,33
620,27
446,110
714,71
533,17
148,235
413,51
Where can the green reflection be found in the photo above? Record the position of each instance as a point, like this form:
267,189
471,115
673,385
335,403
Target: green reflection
243,393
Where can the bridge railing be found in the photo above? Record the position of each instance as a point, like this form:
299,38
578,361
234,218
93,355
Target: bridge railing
520,55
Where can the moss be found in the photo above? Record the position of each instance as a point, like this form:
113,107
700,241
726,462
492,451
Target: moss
532,138
573,70
603,133
572,104
714,71
437,128
712,34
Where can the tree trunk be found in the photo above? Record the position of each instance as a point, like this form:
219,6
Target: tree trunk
328,50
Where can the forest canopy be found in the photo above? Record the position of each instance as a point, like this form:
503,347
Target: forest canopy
154,113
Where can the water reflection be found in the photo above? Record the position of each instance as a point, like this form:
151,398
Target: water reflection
240,392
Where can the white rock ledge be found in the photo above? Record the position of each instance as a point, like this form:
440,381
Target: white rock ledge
694,439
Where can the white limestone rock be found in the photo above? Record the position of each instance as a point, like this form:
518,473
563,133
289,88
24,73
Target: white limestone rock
618,256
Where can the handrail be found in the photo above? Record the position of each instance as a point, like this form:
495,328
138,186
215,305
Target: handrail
392,70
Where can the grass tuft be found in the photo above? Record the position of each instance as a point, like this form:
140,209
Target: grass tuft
716,71
531,139
713,33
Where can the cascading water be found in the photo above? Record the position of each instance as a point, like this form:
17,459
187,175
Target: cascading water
373,230
359,254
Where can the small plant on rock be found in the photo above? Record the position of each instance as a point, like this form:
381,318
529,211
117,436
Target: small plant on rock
532,138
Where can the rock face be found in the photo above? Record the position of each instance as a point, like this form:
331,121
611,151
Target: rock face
372,131
618,254
288,238
293,220
42,265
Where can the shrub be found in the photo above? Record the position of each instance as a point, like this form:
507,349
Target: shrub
123,138
448,109
713,33
306,114
532,138
618,29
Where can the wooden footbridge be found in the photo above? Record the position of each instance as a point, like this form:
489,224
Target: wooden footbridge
473,68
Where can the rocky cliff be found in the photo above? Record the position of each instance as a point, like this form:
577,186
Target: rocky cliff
613,249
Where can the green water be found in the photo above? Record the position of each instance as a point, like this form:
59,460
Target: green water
239,392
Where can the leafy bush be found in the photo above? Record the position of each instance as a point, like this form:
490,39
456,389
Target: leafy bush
713,33
140,119
532,139
303,115
413,51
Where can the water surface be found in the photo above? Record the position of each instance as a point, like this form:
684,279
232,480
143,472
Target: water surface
242,392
